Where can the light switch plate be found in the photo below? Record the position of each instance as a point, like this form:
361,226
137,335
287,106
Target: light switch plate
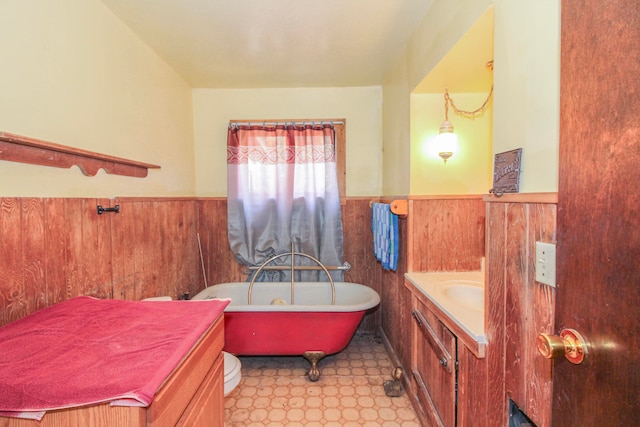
546,263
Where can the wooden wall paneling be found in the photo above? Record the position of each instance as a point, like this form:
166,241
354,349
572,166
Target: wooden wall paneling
419,223
33,253
519,308
163,257
220,264
123,252
443,233
226,262
56,252
403,301
136,249
233,267
167,258
140,221
96,249
542,301
72,228
178,258
495,304
352,233
358,251
12,294
447,234
156,270
409,246
188,257
205,209
517,305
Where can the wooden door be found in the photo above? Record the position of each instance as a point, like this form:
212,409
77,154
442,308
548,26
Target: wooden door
598,264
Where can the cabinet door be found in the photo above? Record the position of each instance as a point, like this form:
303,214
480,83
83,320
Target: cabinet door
207,408
434,367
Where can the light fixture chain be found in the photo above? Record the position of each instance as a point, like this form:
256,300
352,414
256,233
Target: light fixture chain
467,114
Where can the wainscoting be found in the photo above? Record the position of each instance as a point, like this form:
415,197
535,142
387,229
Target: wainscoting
520,307
54,249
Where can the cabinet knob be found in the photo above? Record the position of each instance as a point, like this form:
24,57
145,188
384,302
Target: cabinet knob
443,362
569,344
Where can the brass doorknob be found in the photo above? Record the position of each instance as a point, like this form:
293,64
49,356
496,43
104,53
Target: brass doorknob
569,344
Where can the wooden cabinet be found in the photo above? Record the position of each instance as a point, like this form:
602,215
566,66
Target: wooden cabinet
191,396
434,367
448,382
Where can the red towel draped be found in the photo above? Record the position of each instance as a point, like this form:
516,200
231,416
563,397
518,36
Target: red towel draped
86,350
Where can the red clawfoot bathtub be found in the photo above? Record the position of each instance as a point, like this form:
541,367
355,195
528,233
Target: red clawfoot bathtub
271,325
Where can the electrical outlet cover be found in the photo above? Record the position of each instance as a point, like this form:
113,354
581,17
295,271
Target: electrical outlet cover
546,263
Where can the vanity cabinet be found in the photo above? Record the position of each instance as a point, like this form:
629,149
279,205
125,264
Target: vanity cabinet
448,382
192,396
434,366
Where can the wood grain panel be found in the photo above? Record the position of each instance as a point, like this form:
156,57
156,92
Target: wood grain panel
56,253
162,259
517,302
219,262
447,234
519,308
358,251
495,308
539,384
33,253
598,222
54,249
12,292
124,255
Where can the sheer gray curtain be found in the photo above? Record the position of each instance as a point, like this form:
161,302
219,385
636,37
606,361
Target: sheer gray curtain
283,189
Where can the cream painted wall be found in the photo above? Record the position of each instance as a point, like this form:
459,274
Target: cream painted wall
360,106
396,127
446,22
73,74
469,170
526,86
527,89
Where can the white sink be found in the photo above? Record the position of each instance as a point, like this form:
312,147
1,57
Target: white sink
460,296
466,293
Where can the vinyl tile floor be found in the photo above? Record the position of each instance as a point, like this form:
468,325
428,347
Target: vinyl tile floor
275,391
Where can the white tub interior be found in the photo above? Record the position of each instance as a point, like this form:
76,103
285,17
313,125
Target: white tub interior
308,296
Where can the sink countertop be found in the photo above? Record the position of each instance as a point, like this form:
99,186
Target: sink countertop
471,321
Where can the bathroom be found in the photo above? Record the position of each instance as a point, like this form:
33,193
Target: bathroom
151,114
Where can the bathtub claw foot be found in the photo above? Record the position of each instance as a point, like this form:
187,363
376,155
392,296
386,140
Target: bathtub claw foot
314,357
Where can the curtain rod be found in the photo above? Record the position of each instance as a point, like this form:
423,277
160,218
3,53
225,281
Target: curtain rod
284,122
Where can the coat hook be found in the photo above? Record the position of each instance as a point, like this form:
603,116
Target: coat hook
115,209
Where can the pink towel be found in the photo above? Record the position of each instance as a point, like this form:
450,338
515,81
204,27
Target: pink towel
86,350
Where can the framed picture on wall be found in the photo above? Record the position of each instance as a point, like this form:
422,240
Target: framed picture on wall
506,172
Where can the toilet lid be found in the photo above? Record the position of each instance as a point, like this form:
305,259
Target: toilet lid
231,366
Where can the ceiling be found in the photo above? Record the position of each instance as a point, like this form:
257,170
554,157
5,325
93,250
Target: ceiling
275,43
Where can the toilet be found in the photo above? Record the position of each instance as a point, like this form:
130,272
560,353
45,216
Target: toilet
232,369
231,364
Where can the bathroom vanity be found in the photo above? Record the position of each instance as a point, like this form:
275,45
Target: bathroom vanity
448,365
191,394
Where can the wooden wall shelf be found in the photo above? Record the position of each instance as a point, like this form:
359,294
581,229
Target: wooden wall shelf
16,148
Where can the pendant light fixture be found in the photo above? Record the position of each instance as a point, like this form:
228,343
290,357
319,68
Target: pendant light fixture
447,141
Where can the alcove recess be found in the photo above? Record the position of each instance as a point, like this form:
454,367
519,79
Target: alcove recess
16,148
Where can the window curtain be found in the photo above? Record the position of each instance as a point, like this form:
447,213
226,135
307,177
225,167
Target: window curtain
283,189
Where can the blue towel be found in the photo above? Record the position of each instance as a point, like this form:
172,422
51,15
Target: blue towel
384,225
